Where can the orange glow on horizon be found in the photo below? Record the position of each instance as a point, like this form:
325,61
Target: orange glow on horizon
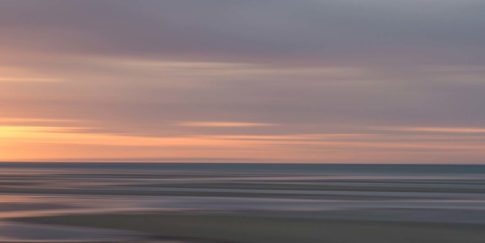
43,143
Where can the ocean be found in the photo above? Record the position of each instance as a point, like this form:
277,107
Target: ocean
54,202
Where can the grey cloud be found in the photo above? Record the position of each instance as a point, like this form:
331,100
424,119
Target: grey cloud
396,40
142,103
264,30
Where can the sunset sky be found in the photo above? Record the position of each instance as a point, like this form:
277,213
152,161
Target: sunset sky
331,81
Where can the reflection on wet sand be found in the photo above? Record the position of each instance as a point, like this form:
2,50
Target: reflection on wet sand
241,203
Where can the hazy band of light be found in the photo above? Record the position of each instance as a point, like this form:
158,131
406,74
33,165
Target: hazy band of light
224,124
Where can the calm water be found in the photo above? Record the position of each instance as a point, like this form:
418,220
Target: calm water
403,193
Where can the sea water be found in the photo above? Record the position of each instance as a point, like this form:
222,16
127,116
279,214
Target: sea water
452,194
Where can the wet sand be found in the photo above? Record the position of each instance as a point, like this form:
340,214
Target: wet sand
264,229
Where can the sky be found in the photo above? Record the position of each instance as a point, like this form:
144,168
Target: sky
280,81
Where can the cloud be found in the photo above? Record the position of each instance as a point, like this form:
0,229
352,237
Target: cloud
449,130
223,124
265,30
14,79
278,72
